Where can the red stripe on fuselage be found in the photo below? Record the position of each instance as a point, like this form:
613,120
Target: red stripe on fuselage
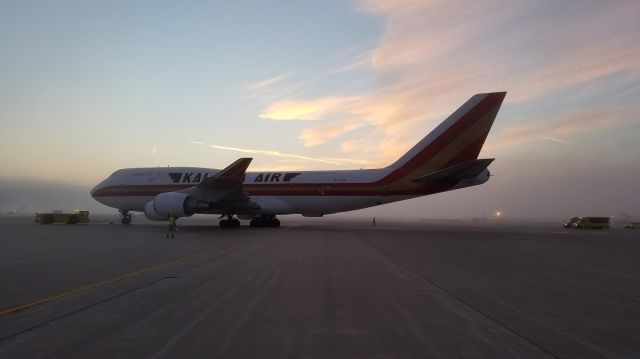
275,190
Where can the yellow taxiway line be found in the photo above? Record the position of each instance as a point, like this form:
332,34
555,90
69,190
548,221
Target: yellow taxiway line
87,287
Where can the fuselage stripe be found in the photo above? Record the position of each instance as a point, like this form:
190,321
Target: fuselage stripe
271,190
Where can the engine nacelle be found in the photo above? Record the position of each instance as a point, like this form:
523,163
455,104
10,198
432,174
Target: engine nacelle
173,203
151,213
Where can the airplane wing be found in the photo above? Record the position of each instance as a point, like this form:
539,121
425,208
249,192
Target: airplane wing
468,169
224,189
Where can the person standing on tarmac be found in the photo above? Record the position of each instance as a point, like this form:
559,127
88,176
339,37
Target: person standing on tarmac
172,225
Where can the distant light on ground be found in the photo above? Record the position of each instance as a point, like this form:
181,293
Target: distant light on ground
498,214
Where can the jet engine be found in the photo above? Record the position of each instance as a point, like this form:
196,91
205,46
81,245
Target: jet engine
174,203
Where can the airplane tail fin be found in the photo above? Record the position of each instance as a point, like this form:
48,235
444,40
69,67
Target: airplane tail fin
457,140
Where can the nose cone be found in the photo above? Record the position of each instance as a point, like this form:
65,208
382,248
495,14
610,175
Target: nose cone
95,191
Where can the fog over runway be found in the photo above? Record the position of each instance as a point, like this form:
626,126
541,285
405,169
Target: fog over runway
318,288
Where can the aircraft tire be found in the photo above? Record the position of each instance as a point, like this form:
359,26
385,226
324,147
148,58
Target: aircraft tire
258,223
265,222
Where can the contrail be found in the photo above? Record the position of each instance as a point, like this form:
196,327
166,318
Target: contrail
329,160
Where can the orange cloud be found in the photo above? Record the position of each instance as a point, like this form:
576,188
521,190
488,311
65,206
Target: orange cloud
563,127
359,145
433,55
305,110
316,135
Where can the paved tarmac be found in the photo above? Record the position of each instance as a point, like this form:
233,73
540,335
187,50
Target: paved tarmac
318,289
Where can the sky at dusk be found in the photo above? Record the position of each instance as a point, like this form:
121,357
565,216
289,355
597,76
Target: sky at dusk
88,87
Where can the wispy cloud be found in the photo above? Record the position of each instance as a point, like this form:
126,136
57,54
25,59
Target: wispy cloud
263,84
433,55
556,140
62,89
364,61
314,136
563,127
272,153
358,145
308,110
342,67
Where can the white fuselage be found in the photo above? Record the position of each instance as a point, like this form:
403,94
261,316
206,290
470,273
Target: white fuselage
310,193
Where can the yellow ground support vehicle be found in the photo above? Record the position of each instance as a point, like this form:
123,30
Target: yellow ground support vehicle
59,217
633,225
592,223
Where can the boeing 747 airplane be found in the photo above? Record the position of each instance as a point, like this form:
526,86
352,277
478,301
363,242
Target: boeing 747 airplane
444,160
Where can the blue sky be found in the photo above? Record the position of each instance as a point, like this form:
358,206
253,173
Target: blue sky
88,87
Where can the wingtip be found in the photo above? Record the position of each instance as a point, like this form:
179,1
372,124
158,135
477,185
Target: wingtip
494,97
236,169
244,161
498,94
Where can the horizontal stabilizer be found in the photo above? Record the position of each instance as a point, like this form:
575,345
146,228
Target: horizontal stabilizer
468,169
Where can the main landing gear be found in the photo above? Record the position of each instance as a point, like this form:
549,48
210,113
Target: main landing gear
265,221
125,216
229,222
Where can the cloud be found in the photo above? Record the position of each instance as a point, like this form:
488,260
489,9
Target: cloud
364,61
272,153
307,110
556,140
433,55
314,136
558,129
62,89
261,85
358,145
